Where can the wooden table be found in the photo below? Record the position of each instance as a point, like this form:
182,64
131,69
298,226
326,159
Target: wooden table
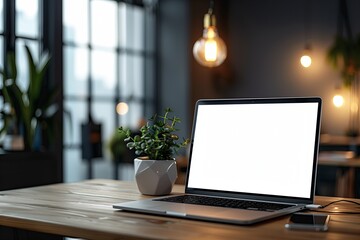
84,210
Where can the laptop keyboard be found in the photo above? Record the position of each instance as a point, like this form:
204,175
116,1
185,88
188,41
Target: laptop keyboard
225,202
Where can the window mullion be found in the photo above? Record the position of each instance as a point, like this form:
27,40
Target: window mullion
90,49
44,25
9,27
145,60
118,73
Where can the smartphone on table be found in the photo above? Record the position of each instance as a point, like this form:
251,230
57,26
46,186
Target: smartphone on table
308,221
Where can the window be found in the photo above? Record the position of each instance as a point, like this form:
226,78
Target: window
19,25
23,27
103,53
108,58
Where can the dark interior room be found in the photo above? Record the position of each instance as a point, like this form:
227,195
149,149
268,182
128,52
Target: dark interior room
75,71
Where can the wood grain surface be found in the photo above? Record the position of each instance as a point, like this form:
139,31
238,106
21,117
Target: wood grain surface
84,210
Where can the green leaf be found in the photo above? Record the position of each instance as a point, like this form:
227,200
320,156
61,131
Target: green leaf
22,112
157,138
12,68
130,145
36,78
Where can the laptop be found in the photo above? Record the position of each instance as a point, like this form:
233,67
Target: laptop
250,160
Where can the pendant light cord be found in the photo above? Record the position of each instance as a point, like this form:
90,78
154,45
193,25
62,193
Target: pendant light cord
307,21
211,7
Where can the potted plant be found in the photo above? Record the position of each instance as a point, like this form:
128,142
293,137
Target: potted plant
28,112
344,54
155,145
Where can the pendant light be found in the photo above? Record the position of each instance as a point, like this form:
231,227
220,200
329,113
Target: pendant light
305,59
338,99
210,49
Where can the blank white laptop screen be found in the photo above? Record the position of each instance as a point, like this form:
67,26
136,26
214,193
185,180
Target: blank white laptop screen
258,148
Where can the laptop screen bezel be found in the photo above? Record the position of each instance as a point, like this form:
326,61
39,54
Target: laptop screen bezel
260,197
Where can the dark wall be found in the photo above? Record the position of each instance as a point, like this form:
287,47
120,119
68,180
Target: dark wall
173,59
208,82
265,40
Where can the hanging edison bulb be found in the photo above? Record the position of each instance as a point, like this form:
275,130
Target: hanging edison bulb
305,59
210,49
338,100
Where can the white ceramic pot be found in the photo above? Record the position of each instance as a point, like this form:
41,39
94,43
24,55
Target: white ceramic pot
155,177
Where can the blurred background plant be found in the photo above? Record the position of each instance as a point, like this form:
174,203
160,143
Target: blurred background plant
344,54
28,112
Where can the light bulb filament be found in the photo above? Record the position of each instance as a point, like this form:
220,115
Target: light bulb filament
210,50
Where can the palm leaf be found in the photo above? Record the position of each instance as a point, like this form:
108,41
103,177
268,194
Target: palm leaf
22,112
36,78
